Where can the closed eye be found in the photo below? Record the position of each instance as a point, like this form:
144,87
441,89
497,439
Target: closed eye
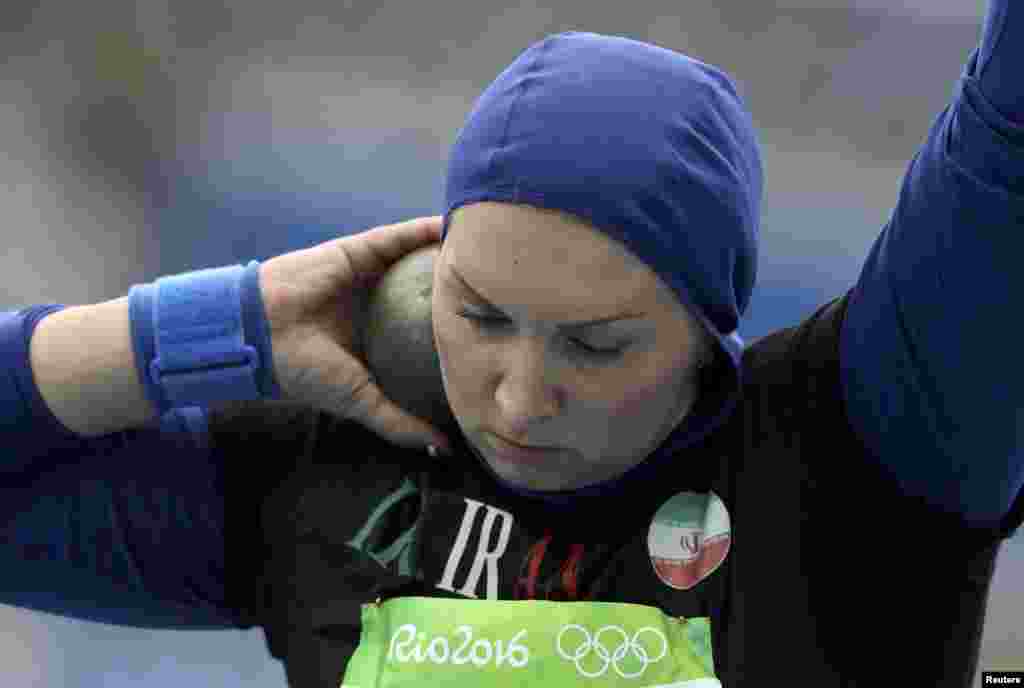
490,322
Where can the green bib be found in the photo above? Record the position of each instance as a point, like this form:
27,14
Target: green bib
429,641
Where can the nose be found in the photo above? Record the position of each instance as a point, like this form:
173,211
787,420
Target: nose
528,395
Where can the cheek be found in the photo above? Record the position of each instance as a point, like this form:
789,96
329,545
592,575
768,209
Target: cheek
637,399
648,390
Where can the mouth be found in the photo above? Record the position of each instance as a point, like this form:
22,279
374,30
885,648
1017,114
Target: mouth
511,452
528,447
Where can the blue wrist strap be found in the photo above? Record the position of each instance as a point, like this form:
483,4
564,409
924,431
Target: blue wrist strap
202,337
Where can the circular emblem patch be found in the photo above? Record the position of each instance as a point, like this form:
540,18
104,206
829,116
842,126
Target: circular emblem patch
689,538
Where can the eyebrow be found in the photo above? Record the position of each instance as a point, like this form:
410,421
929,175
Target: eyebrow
573,325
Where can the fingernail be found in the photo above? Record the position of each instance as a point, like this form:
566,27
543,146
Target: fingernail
439,449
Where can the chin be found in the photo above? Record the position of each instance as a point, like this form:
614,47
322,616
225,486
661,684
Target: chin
533,480
531,483
521,477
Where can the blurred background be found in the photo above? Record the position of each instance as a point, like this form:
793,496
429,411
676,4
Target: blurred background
147,137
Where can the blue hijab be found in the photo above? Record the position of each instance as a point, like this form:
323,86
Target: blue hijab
651,147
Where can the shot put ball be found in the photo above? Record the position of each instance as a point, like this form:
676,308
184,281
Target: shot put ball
398,339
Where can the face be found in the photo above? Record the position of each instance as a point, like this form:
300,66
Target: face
604,396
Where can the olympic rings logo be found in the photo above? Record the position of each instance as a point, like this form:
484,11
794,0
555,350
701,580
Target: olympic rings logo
612,659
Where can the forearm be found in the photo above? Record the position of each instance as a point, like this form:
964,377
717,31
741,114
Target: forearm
84,366
108,367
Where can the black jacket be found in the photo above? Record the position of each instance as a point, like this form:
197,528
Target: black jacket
831,576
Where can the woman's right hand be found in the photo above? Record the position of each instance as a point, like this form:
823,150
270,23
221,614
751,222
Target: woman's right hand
315,300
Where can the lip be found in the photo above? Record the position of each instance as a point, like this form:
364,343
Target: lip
514,453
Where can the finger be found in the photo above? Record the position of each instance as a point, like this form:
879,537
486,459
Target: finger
395,424
372,252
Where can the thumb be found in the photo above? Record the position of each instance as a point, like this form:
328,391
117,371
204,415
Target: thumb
390,421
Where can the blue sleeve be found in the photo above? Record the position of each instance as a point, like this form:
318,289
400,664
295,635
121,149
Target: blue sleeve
928,385
127,528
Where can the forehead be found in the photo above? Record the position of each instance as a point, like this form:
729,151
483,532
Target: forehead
520,254
510,240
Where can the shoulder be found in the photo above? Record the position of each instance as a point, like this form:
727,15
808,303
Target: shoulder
793,374
299,436
812,345
795,414
291,456
277,426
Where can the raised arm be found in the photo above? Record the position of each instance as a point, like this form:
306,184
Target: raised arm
931,376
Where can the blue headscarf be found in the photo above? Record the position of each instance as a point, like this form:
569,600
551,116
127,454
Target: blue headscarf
651,147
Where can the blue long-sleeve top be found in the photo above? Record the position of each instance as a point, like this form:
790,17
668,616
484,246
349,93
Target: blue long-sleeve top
922,384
